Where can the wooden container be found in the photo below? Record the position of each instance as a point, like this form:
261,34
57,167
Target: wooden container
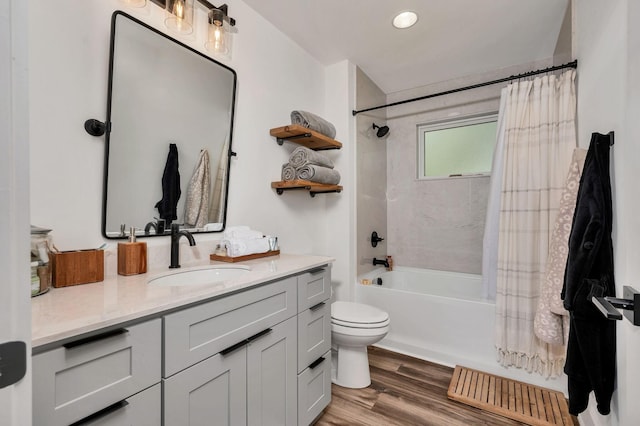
243,258
132,258
77,267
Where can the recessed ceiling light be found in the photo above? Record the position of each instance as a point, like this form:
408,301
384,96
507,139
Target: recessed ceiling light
405,19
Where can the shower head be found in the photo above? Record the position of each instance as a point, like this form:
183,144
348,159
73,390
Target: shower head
382,130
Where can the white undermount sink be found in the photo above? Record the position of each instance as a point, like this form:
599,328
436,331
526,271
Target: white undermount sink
200,276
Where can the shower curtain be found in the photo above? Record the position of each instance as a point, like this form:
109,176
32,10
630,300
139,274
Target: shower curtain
538,138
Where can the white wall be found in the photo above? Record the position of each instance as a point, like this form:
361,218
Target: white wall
68,50
608,51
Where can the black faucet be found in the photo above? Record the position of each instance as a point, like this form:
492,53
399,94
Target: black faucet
157,226
381,262
176,233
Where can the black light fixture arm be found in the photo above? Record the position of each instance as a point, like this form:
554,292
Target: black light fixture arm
224,9
222,14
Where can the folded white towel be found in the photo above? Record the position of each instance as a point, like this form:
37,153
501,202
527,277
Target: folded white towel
242,247
241,232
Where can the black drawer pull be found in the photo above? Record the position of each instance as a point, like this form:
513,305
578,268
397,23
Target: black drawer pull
317,306
95,338
234,347
258,335
102,413
317,270
316,363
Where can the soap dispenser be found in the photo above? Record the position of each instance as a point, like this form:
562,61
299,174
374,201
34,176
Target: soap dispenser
132,256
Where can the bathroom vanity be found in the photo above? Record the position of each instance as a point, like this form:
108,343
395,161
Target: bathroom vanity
250,350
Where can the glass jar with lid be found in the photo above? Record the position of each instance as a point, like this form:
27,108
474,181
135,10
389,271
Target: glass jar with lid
40,265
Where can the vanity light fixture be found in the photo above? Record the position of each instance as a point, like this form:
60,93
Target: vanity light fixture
218,33
179,16
405,19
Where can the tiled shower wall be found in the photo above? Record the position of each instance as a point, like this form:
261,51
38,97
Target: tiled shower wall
437,224
371,174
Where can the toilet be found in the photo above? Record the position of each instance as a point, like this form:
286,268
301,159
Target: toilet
354,326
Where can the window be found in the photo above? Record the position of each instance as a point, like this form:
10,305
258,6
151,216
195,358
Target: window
457,148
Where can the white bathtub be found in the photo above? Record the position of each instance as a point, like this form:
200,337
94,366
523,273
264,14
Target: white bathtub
440,316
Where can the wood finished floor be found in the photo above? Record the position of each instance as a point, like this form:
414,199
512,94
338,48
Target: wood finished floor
404,391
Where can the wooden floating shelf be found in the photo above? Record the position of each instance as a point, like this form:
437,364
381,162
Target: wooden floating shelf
313,187
305,137
230,259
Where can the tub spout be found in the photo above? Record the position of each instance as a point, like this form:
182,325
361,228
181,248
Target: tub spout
383,262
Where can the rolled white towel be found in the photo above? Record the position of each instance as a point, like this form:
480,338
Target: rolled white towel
302,156
242,247
319,174
288,172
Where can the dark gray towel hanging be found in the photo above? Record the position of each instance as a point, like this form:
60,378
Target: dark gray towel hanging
167,206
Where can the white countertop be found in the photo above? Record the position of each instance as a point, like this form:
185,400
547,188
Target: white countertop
69,311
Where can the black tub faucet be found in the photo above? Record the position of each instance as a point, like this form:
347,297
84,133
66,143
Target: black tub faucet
383,262
176,233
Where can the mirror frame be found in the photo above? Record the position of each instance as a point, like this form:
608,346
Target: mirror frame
230,153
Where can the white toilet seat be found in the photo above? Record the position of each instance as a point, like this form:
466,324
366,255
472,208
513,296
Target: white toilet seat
351,324
358,315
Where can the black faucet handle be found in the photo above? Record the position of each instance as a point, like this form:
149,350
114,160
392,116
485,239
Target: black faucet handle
375,239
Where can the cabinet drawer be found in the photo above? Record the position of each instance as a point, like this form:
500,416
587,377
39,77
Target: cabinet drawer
314,287
199,332
314,389
72,382
314,333
141,409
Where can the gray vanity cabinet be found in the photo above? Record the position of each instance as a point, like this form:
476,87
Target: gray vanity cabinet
271,377
213,391
96,376
257,356
195,333
141,409
314,343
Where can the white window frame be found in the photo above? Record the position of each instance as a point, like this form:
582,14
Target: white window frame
448,124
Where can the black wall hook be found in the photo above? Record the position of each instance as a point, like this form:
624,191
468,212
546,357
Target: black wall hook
95,127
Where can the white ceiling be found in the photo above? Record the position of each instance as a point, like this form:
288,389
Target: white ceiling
453,38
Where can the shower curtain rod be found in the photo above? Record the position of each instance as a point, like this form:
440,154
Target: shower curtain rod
573,64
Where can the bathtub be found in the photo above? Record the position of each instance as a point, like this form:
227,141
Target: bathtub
441,317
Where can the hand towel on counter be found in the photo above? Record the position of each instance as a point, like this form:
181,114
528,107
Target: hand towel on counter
302,156
241,232
318,174
242,247
313,122
288,172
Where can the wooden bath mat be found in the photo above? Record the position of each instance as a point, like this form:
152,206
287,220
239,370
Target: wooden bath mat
519,401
